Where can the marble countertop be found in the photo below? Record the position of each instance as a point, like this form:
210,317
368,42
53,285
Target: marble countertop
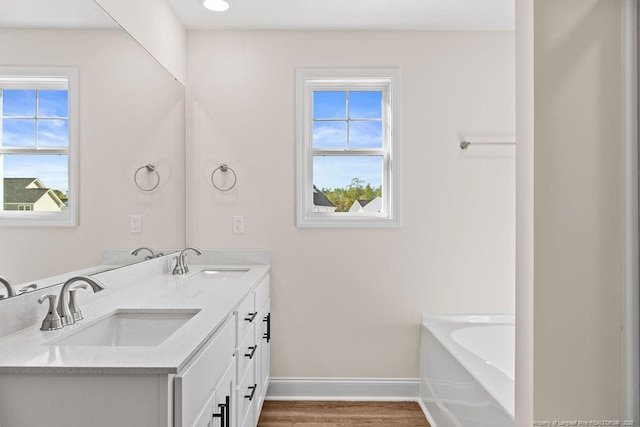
34,351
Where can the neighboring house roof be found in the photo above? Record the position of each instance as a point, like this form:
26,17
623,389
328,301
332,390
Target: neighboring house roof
26,191
364,202
367,205
320,199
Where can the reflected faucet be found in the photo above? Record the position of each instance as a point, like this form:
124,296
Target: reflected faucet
11,291
136,251
63,302
28,288
181,260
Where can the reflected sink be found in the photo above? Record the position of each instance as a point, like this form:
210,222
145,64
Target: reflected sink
224,273
134,328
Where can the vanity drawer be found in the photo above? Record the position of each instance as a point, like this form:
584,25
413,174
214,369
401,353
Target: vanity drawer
195,382
262,293
247,352
246,317
247,395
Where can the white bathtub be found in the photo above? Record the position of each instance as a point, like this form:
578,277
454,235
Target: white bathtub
467,370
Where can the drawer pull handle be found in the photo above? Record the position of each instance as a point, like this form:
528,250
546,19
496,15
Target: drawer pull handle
253,349
267,335
250,317
225,413
253,391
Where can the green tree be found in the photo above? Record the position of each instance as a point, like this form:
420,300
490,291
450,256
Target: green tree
344,198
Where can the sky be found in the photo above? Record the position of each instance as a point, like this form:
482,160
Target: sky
19,129
344,120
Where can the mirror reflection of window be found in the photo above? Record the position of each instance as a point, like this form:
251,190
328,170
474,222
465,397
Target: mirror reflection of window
36,143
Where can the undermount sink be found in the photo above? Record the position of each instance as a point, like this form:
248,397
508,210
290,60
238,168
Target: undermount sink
134,328
224,273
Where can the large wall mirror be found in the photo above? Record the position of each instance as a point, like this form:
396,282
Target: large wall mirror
130,114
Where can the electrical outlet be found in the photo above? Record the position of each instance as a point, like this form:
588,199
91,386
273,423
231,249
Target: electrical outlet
135,224
237,225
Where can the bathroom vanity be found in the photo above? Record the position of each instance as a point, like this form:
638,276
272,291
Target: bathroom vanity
156,349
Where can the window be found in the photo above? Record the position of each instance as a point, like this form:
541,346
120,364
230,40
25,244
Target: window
38,146
348,148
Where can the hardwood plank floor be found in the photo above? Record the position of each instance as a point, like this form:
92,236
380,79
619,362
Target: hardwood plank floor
342,414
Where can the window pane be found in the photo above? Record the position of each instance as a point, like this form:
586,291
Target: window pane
365,134
20,103
329,105
53,133
18,132
53,103
365,105
347,183
38,183
330,134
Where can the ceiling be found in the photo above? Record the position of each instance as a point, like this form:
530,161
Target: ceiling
351,15
53,14
282,14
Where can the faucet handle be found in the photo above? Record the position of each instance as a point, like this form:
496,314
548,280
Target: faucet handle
74,308
178,269
52,320
26,289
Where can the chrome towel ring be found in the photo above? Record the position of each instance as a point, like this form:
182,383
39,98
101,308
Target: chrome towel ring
151,169
224,168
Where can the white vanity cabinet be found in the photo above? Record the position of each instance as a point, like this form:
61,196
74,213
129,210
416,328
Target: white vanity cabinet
215,390
222,385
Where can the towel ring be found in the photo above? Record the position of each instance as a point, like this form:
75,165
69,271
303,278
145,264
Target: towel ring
224,168
150,168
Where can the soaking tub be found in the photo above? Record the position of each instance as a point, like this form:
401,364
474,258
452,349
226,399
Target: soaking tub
467,370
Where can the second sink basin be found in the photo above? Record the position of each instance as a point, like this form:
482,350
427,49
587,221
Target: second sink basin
134,328
224,273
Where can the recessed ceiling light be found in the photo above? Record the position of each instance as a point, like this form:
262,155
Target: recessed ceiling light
217,5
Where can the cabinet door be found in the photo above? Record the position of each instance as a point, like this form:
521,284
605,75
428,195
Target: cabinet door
194,383
262,367
205,419
224,407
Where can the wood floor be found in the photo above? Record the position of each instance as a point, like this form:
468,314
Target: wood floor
342,414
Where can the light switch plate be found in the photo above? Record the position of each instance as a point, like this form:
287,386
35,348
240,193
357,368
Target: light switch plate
237,226
135,224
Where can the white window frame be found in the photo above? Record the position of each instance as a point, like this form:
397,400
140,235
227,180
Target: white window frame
349,79
46,78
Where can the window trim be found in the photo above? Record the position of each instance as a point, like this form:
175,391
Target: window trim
70,216
347,79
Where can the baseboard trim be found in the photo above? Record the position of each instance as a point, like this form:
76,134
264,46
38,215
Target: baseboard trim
382,389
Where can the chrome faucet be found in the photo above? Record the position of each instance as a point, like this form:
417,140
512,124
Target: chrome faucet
66,317
11,291
144,248
181,260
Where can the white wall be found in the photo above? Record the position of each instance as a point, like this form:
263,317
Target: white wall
131,113
578,214
156,27
340,311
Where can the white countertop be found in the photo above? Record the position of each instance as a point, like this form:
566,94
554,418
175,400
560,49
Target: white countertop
31,351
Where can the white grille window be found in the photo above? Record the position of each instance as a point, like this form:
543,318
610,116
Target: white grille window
348,148
38,146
